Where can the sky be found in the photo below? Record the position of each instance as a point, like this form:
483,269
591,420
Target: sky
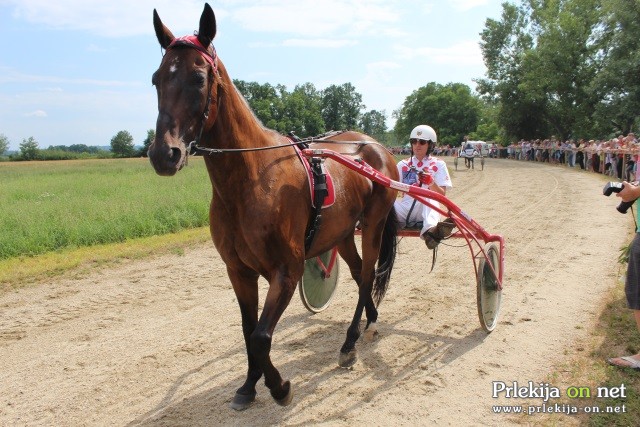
79,71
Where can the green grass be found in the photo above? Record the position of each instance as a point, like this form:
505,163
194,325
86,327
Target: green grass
586,365
621,338
21,271
50,206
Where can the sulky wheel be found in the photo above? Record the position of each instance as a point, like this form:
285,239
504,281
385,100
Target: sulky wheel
316,290
488,293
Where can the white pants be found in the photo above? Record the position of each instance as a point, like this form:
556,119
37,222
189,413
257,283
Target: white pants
429,217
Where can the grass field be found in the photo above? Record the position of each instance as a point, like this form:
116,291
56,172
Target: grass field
49,206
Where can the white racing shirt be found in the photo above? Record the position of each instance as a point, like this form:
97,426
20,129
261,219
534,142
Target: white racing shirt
408,170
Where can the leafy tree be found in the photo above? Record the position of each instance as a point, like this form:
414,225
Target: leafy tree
488,128
564,67
558,71
504,45
303,111
151,136
341,106
452,110
29,149
374,123
278,109
264,100
617,86
4,143
122,144
75,148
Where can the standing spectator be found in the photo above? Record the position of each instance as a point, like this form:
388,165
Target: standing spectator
595,158
580,154
571,153
632,286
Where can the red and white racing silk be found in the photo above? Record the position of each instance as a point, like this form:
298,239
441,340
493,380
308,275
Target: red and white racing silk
408,169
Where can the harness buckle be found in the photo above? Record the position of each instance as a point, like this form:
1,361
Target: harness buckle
192,148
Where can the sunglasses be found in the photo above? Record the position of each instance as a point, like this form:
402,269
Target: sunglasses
414,141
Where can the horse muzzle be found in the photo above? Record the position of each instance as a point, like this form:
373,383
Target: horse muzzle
167,159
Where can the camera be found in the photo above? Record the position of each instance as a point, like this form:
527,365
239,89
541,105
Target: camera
616,187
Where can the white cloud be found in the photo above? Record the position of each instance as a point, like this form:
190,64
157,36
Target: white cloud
464,5
107,18
312,18
117,18
319,43
462,53
381,83
9,75
36,113
381,68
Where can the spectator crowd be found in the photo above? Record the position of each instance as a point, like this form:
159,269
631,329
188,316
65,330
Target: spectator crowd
616,157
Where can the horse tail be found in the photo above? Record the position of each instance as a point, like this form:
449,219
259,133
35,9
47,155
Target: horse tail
386,257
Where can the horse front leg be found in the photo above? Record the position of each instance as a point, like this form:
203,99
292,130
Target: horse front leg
281,289
245,285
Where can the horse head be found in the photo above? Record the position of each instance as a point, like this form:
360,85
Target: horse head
185,84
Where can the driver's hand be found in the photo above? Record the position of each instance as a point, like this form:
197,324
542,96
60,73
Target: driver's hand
425,178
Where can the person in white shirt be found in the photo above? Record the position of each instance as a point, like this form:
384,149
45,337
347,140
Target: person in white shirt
427,171
468,152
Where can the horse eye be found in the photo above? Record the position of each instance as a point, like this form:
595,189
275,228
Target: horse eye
154,78
198,79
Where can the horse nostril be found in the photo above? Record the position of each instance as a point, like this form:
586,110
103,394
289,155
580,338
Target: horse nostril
176,155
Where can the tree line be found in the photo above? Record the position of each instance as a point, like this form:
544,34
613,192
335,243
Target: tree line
568,68
555,68
121,145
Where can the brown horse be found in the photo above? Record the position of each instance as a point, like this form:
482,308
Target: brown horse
261,207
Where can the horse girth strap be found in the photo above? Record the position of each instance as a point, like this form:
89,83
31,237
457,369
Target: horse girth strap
320,192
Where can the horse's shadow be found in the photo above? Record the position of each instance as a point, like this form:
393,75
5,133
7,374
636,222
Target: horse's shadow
211,407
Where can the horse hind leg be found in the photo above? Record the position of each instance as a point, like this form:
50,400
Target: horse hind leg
349,253
371,330
371,238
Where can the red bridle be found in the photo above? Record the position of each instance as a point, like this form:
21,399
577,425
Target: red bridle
209,54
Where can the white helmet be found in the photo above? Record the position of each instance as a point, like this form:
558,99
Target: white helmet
424,132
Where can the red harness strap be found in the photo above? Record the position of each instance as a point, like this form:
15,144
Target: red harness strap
209,54
330,198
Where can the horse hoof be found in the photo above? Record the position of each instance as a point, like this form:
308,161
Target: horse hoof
288,397
371,333
241,402
347,360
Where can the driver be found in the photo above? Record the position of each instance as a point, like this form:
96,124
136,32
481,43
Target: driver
427,171
468,152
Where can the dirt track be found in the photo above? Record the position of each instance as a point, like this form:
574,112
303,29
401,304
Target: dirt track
158,342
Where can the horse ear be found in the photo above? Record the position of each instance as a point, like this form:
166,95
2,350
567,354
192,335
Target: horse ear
207,30
165,37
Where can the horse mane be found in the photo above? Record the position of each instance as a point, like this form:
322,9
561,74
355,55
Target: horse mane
235,105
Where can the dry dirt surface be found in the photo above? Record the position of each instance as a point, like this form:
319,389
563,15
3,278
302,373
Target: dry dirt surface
158,342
